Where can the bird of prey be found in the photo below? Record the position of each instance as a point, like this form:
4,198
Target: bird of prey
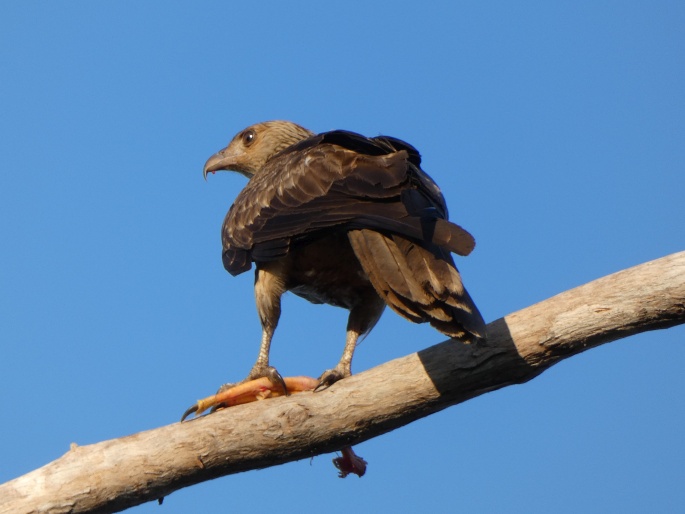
345,220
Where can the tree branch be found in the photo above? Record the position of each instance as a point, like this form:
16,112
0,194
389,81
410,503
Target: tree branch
120,473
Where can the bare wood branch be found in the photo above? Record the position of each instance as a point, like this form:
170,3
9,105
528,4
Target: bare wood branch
116,474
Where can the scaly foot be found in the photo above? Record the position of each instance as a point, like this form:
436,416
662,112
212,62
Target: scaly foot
330,377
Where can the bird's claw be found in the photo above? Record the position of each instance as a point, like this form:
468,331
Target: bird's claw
275,378
190,410
328,378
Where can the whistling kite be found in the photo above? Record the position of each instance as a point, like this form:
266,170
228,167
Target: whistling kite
346,220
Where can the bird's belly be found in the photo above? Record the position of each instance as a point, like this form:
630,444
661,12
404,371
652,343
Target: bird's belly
327,271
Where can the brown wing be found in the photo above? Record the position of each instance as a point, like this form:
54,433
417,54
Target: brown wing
337,180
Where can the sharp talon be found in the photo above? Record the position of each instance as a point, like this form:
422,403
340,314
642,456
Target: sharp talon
327,379
278,379
217,407
190,411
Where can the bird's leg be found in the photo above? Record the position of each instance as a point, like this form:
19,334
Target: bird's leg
269,287
344,366
261,368
362,319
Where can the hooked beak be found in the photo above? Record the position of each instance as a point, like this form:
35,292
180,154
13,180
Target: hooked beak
221,160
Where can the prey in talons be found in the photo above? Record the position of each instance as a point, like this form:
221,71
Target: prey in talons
250,391
263,388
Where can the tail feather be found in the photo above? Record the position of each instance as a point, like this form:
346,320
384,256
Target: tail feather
387,279
420,283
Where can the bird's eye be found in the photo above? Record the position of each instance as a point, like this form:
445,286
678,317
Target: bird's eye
248,137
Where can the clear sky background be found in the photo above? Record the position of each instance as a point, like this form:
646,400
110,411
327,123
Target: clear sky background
555,129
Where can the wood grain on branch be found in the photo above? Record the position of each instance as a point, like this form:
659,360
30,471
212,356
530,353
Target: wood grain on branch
116,474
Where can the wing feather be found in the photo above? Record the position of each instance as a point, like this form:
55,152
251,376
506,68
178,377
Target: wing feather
337,180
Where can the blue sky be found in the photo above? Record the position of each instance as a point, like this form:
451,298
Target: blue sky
555,129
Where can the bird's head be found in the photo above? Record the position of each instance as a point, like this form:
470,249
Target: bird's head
251,148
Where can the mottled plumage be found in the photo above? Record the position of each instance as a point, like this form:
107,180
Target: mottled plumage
346,220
